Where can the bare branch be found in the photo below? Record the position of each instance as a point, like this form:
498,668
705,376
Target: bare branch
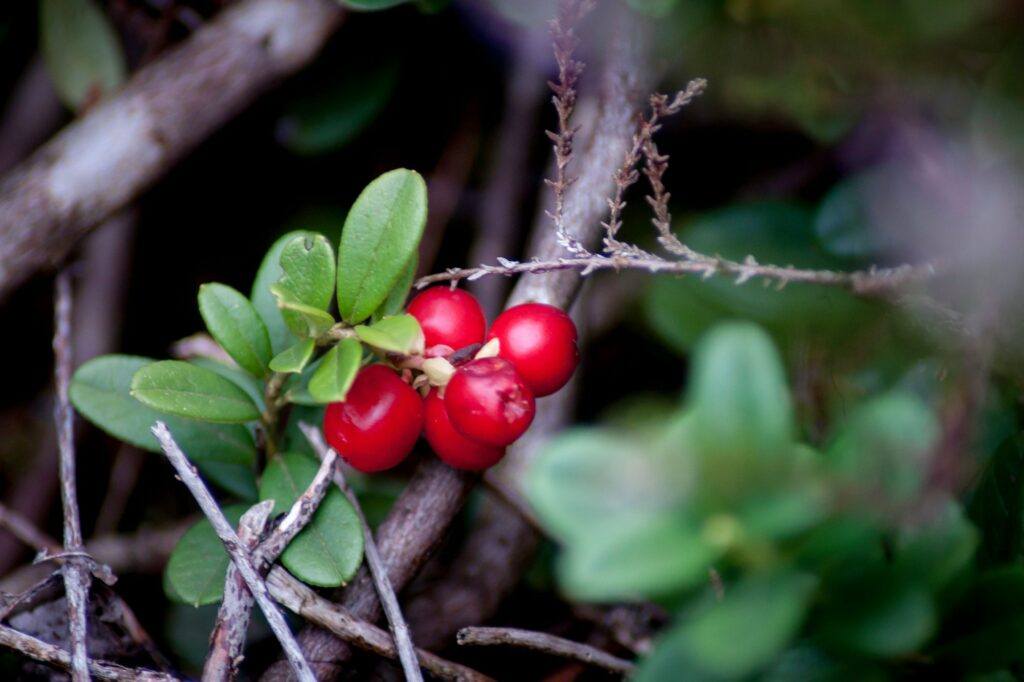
545,643
76,573
306,603
188,475
388,600
25,531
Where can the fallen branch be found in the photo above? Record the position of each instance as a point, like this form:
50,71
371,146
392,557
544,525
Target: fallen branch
55,656
388,600
331,617
190,477
545,643
103,160
76,572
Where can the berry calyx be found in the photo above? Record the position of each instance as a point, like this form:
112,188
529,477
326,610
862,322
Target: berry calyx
540,341
378,423
452,447
449,317
489,402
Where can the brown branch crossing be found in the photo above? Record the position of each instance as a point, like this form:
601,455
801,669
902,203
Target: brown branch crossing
545,643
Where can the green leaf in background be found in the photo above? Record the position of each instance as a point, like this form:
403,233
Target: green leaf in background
81,50
395,302
101,392
731,638
395,334
381,234
334,376
306,286
738,393
269,273
187,390
330,118
294,358
937,550
985,630
884,619
237,327
328,551
653,8
997,504
198,564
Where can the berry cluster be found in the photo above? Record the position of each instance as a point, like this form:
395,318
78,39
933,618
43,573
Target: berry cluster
474,405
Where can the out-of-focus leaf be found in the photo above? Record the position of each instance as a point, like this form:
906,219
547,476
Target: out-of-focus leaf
985,630
395,334
381,234
198,564
329,550
736,636
294,358
653,8
101,391
334,376
269,273
371,5
237,327
306,286
997,504
938,549
187,390
884,618
329,119
81,50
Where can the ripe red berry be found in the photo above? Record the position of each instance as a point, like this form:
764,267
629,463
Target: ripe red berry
450,317
540,341
488,402
379,421
452,447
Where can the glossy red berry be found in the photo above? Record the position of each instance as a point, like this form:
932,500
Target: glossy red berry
452,447
450,317
379,421
489,402
540,341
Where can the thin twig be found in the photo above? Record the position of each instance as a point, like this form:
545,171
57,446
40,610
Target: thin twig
543,642
76,574
190,477
388,600
49,654
25,531
228,637
306,603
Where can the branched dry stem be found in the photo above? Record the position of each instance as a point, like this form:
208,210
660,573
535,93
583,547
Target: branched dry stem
545,643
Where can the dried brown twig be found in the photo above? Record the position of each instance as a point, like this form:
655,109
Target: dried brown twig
388,600
545,643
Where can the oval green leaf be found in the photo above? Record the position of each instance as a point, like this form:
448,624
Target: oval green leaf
306,286
294,358
395,334
304,320
81,49
395,302
265,302
328,551
334,376
237,327
197,567
101,392
186,390
381,234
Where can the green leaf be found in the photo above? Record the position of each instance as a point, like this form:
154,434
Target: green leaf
81,50
997,504
265,302
890,618
329,118
186,390
294,358
381,234
334,376
237,327
395,302
101,392
736,636
396,334
739,395
252,386
198,564
306,286
985,629
328,551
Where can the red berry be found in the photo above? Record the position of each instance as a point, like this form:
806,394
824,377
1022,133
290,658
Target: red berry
540,340
452,447
488,402
377,424
450,317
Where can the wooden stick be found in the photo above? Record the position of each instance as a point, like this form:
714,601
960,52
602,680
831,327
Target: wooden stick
388,600
545,643
190,477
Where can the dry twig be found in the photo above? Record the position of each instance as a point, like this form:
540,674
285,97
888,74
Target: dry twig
388,600
190,477
545,643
